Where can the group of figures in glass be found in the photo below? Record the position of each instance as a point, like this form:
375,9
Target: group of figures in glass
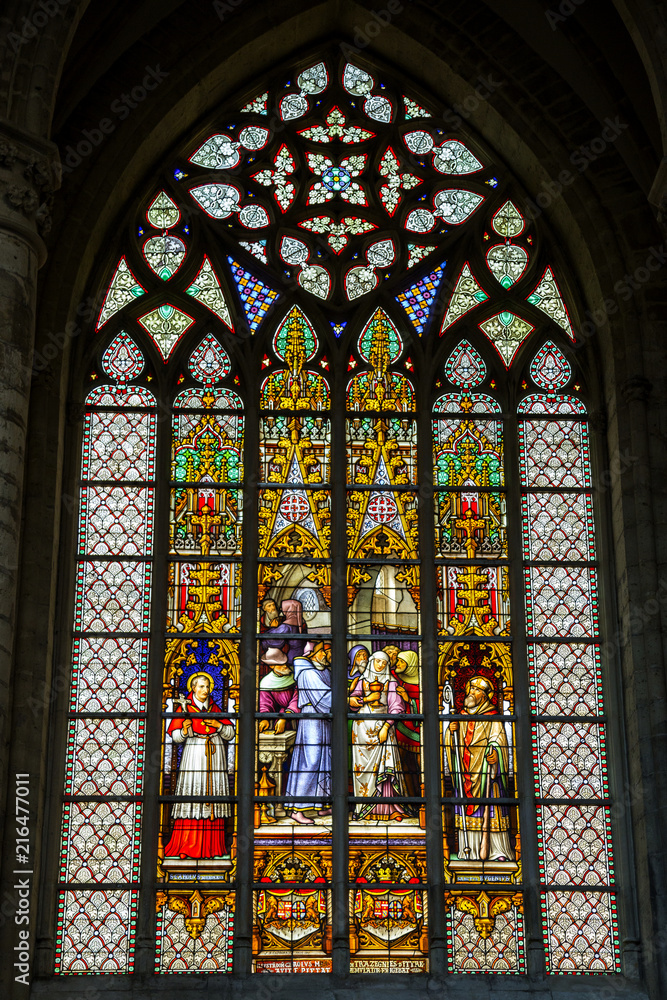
384,688
383,685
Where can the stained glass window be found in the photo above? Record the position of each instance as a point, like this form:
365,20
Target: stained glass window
292,901
102,809
361,579
563,633
386,824
476,677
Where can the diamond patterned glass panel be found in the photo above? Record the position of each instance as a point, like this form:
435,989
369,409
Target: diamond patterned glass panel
565,679
553,454
112,597
109,674
561,601
115,520
119,446
575,845
558,526
102,842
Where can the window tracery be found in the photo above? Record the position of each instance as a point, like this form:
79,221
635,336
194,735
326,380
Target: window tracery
241,306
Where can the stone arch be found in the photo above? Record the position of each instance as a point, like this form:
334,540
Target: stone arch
602,240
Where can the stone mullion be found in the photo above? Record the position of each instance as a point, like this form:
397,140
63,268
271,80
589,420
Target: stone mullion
246,734
153,748
641,642
621,789
59,697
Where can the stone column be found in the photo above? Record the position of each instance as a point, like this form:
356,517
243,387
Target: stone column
644,614
29,172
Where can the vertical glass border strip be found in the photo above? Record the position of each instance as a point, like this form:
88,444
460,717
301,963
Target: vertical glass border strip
580,923
102,808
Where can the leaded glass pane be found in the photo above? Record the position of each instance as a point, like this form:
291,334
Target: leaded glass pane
562,611
322,465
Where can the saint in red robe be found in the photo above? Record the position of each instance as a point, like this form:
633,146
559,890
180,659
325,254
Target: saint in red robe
199,827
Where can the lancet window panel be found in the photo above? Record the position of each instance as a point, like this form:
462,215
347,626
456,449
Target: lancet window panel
479,780
562,608
387,869
307,351
102,809
197,847
292,811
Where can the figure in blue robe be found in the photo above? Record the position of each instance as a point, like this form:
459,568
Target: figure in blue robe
310,766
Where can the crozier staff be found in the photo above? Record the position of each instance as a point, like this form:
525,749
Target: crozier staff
478,757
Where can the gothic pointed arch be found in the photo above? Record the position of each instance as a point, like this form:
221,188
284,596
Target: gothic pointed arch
313,354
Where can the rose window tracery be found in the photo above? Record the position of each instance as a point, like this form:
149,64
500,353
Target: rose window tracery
380,173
